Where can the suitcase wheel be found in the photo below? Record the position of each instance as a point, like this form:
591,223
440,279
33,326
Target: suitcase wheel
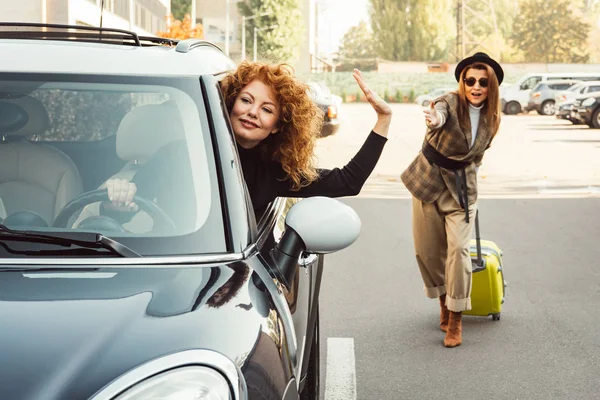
496,317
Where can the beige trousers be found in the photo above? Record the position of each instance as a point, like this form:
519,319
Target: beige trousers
442,241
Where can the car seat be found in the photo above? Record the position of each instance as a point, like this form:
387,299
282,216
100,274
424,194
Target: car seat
34,177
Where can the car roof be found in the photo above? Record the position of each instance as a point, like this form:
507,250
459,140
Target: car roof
558,82
155,57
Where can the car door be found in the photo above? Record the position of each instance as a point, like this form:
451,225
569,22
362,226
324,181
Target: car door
302,292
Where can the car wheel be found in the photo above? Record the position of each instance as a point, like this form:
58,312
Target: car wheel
548,107
311,386
595,123
512,108
425,103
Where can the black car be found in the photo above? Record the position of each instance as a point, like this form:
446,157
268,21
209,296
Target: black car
566,111
329,104
192,297
588,109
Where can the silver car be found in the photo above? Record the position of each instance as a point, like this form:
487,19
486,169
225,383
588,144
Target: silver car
542,95
574,91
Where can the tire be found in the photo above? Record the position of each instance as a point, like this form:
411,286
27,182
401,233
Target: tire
512,108
595,123
548,107
312,388
496,317
425,103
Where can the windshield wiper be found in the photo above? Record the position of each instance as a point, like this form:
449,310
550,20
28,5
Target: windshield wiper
87,242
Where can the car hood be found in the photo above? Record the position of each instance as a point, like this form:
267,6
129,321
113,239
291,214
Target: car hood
68,334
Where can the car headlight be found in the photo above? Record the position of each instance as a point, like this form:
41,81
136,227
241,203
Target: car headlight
589,101
193,383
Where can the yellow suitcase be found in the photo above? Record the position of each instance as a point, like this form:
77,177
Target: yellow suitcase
488,285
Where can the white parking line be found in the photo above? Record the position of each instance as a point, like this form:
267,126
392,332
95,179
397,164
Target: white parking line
340,381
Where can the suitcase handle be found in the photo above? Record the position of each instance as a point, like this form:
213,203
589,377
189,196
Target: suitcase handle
478,239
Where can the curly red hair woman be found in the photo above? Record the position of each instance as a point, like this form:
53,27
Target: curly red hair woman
300,119
276,123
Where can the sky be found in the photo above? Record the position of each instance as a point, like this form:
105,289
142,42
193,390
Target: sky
336,17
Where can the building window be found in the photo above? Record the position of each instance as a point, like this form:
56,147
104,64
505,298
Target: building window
122,8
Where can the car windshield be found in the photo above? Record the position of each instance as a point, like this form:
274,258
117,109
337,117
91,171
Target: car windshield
65,136
576,87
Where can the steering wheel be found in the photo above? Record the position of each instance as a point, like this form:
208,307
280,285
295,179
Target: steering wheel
158,215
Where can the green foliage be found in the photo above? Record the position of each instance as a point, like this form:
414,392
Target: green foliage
181,7
550,32
398,96
281,42
386,94
412,30
357,43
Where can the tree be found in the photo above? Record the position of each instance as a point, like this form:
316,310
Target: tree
280,32
357,43
548,31
412,30
485,25
357,49
181,7
177,29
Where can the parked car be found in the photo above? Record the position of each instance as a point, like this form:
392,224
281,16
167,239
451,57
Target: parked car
566,110
193,297
329,104
515,97
575,91
588,110
542,95
426,98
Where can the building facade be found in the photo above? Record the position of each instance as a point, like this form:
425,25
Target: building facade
214,14
145,17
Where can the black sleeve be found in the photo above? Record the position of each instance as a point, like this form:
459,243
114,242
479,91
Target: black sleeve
346,181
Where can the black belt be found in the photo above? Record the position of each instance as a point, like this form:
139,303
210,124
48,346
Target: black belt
436,158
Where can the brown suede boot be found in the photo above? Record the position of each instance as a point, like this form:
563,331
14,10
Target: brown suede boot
454,334
444,314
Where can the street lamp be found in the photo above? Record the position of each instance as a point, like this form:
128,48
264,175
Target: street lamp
244,19
256,39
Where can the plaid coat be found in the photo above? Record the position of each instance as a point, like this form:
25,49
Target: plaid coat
427,182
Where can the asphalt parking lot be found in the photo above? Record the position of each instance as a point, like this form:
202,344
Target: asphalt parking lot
540,189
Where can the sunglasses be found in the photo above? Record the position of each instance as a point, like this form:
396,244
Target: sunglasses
483,82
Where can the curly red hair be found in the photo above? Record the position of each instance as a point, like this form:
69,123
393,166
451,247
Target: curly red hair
300,119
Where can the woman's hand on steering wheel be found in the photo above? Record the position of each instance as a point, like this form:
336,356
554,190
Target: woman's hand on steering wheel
120,193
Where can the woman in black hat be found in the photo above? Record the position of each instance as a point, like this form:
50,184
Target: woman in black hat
443,181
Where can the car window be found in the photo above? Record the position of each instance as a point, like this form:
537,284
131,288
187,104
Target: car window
530,82
594,88
540,86
80,131
577,87
82,115
561,86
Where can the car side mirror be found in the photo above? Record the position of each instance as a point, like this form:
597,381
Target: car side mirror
316,225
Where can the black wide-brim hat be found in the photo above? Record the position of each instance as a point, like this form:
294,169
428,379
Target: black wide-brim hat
482,58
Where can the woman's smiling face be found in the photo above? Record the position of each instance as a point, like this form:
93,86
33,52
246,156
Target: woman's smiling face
255,114
477,93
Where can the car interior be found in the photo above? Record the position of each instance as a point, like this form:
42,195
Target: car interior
62,140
